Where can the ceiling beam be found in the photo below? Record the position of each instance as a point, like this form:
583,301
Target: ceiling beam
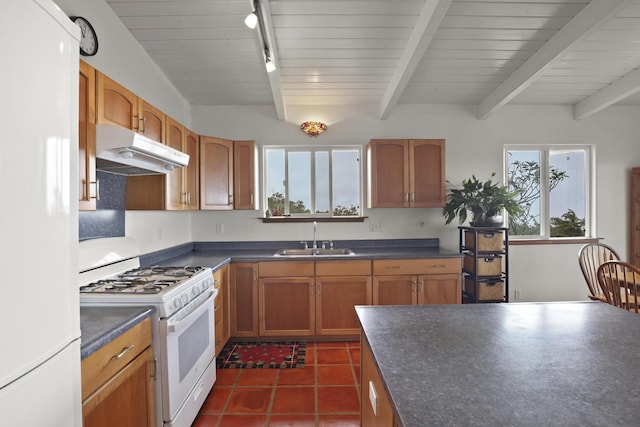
428,22
274,76
609,95
588,20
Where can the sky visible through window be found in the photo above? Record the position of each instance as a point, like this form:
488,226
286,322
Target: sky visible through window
342,164
570,192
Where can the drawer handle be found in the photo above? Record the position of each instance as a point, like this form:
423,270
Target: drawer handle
124,351
215,308
439,266
394,267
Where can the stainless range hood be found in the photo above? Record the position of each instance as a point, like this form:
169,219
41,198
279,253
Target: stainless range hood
125,152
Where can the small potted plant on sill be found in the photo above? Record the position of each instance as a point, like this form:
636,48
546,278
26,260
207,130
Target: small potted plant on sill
484,200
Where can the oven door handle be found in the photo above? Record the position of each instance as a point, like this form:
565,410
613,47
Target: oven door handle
185,317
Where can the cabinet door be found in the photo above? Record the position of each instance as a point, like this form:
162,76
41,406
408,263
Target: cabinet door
395,290
151,121
244,299
216,173
439,289
175,197
382,414
191,176
427,175
287,306
388,173
127,399
336,298
116,105
219,323
244,175
87,184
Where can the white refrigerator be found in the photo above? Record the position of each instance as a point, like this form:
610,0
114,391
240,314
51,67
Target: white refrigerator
39,308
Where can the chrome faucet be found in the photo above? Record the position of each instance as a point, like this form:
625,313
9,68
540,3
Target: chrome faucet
315,229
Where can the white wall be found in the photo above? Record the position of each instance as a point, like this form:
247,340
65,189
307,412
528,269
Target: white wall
546,272
122,58
540,272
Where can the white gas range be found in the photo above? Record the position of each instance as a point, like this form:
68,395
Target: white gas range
183,327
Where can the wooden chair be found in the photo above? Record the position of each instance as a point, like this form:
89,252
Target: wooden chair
590,257
620,284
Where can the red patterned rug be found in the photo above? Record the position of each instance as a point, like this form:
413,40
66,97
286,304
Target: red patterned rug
252,355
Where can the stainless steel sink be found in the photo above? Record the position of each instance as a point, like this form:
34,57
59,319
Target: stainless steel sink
313,252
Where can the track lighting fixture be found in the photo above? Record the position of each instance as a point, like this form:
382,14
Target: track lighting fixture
270,65
251,20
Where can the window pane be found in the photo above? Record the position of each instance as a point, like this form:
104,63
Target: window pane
322,182
346,182
567,199
275,181
524,176
299,164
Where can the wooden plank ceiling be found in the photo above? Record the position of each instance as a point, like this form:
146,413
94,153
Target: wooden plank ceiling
383,53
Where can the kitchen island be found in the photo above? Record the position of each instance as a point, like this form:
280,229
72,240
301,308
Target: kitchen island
528,364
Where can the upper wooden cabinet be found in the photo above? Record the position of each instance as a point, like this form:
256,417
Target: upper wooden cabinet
87,183
152,121
191,173
216,173
177,190
244,176
227,174
119,106
406,173
116,104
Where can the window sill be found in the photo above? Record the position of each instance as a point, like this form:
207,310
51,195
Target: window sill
274,219
554,241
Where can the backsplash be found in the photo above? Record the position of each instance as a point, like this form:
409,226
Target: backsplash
108,218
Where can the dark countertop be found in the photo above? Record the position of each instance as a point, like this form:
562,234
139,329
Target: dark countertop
216,255
525,364
101,325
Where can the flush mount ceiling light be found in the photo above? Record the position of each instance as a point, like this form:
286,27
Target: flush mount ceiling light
313,128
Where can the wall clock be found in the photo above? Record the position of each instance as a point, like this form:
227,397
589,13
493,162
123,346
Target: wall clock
88,39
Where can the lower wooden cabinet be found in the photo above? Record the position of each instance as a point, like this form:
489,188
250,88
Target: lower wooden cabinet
317,298
221,308
118,381
375,405
340,286
243,299
287,306
417,281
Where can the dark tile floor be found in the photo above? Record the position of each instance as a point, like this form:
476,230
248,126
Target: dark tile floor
326,392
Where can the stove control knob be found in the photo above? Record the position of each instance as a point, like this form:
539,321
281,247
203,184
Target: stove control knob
177,303
195,290
185,299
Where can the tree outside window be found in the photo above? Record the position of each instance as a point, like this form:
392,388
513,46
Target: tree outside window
324,181
557,206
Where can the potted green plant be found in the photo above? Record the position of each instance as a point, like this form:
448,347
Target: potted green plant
484,200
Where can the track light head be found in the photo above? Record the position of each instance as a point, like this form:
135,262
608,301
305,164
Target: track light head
251,20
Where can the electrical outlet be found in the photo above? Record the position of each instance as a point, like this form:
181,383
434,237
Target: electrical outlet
375,227
420,225
517,294
220,228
